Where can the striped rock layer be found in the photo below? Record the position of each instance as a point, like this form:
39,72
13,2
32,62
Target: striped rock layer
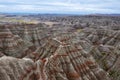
105,48
58,61
13,45
87,55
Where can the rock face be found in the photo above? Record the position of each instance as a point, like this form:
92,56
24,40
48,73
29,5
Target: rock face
66,62
105,49
62,52
57,59
69,64
11,44
16,69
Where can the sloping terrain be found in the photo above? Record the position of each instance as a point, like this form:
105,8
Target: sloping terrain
80,48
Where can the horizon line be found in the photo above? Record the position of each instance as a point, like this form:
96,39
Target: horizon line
55,13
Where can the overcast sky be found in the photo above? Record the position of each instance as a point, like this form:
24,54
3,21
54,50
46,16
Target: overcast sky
60,6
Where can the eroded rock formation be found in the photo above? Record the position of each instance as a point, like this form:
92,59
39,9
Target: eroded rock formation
74,49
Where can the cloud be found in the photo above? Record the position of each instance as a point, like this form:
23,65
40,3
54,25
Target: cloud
60,6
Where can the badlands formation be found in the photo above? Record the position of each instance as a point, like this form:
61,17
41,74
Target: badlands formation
61,48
